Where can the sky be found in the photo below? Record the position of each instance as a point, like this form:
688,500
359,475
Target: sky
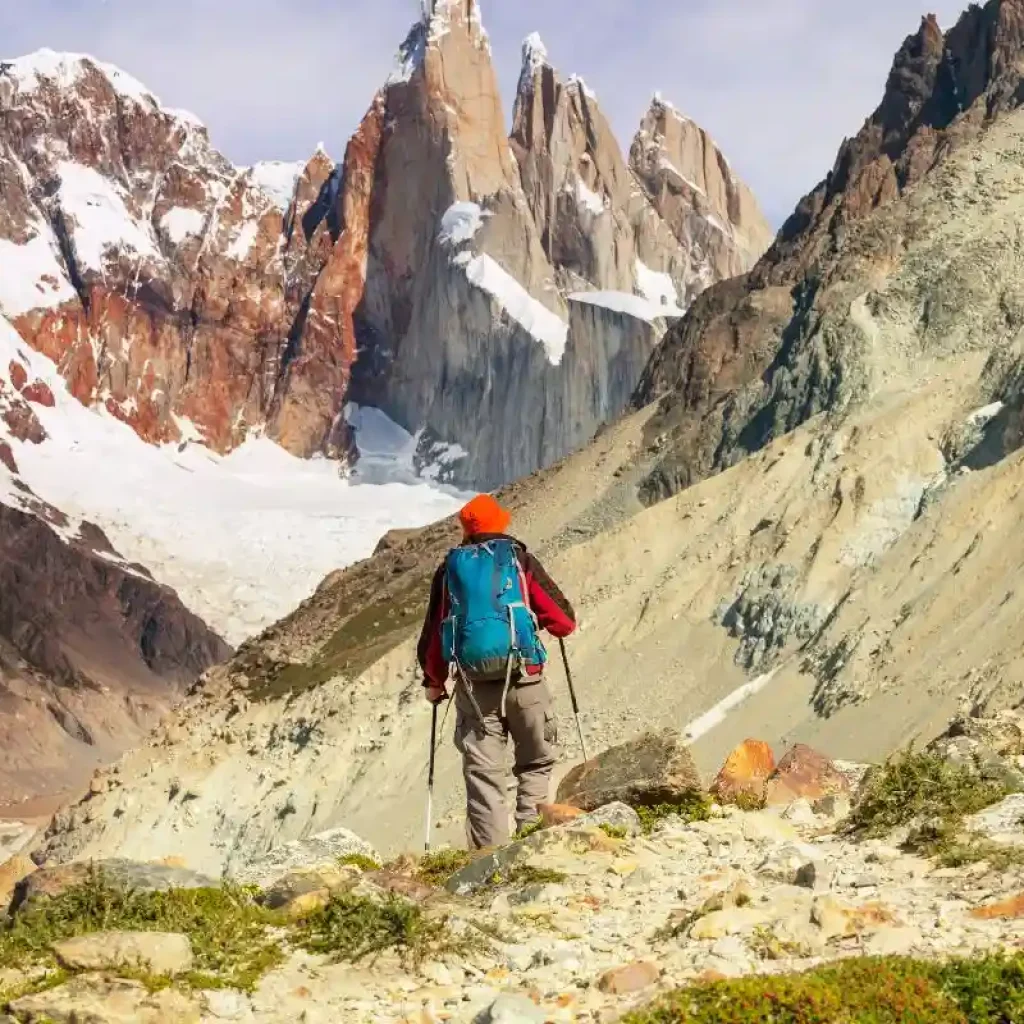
777,83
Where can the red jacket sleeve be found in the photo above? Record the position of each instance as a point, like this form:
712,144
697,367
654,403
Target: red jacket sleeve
549,604
428,651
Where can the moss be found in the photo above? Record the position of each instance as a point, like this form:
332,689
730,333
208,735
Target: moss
436,868
925,791
227,928
765,944
613,831
526,874
695,806
528,830
358,860
40,983
351,928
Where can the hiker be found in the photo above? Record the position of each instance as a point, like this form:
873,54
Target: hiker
488,599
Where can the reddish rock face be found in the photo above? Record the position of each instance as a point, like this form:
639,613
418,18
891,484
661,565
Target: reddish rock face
558,814
804,772
7,457
39,392
18,374
745,774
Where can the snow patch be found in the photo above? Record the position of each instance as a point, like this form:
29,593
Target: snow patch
627,303
243,538
243,242
101,220
535,58
713,718
460,223
589,200
657,287
32,276
277,180
983,416
716,224
181,223
534,317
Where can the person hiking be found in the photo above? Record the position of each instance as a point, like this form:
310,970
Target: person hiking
487,600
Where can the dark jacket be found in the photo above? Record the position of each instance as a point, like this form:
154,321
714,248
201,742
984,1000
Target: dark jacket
549,604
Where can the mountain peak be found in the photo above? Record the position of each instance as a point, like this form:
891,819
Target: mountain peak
64,70
535,59
437,19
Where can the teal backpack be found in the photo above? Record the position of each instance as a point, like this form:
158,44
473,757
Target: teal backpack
490,630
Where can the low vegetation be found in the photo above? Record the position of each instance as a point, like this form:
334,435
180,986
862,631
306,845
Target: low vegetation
985,990
929,795
437,867
695,806
358,860
352,928
229,931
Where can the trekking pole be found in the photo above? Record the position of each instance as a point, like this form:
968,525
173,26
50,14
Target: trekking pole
575,706
430,778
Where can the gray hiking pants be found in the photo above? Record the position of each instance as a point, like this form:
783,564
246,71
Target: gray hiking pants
530,722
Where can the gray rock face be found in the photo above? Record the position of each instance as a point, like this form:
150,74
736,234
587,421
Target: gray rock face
155,952
323,850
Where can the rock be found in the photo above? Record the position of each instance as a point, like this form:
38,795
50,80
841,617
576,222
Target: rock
91,999
47,883
155,952
731,921
1001,822
892,941
411,888
796,865
512,1008
558,814
616,815
227,1004
800,813
319,851
633,977
1009,909
744,776
833,806
766,827
306,903
12,872
543,892
655,768
497,862
327,878
804,772
837,919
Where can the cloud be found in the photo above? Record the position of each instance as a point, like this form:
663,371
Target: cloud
778,83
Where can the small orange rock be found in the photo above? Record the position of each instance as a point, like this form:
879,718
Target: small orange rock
302,992
711,975
630,978
558,814
564,1000
745,773
1007,909
40,393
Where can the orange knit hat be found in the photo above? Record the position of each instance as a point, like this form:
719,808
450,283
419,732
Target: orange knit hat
484,515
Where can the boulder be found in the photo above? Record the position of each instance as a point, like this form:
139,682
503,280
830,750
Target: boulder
512,1008
615,816
656,768
633,977
283,891
13,871
47,883
90,999
155,952
730,921
1001,821
744,776
805,773
795,864
320,851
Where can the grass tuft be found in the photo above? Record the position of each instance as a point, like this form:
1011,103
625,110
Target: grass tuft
614,831
351,928
358,860
436,868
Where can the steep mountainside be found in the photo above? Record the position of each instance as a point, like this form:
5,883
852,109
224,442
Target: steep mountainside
196,300
851,582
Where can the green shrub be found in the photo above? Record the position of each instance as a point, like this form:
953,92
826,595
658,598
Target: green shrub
695,806
358,860
436,868
531,829
350,928
892,990
526,874
923,789
614,831
227,928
